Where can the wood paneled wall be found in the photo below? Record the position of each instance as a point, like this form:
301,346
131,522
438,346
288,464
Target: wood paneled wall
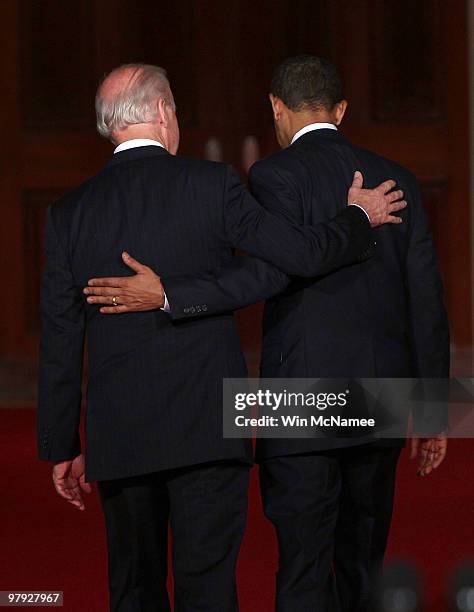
405,70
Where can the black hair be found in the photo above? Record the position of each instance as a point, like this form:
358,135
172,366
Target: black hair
307,82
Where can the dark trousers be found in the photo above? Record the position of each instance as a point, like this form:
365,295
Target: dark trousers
332,512
206,506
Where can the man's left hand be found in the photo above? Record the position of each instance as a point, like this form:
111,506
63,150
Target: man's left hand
137,293
69,481
431,453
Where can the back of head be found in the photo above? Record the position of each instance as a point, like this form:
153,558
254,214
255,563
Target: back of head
127,96
307,83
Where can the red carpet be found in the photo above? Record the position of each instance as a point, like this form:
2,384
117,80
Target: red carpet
47,544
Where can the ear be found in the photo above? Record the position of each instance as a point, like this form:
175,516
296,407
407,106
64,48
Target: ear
339,111
162,112
276,106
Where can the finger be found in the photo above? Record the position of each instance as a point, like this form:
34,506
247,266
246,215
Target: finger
394,220
429,462
115,309
104,291
427,466
422,463
63,492
386,186
394,195
74,490
423,454
358,180
108,299
439,459
77,495
132,263
112,281
61,488
85,486
425,457
396,206
423,470
78,503
77,500
414,447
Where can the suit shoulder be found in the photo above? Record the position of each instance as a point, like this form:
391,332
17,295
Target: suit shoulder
204,174
284,163
170,165
278,159
67,203
202,167
388,165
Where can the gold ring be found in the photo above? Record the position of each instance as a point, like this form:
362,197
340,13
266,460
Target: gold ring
114,300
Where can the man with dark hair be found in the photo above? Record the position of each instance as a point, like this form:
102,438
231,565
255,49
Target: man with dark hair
330,500
307,83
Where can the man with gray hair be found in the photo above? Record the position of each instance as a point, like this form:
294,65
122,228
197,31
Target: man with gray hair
119,105
154,439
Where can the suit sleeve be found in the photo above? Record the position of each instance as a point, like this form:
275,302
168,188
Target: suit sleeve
61,354
429,323
274,236
244,281
276,191
275,233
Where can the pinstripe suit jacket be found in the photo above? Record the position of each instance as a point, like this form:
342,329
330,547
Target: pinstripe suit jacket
154,396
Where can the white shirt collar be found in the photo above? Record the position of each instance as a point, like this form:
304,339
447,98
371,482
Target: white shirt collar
137,142
313,126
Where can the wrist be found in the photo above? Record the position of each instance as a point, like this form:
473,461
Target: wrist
361,208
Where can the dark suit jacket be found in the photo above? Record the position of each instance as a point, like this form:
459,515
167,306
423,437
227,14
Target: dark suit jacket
383,317
154,397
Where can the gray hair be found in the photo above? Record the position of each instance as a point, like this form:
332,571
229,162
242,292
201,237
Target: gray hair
135,103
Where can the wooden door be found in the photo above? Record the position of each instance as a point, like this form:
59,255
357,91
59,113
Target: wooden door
404,64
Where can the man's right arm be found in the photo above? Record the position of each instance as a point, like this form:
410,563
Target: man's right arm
247,280
301,250
243,281
274,237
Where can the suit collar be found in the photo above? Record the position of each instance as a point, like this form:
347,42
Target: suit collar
318,125
132,143
136,153
323,134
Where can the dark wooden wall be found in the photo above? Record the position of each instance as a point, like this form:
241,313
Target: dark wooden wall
403,61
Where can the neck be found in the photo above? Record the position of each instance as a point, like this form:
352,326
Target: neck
137,131
301,120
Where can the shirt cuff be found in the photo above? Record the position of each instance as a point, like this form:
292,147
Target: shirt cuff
366,213
166,306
